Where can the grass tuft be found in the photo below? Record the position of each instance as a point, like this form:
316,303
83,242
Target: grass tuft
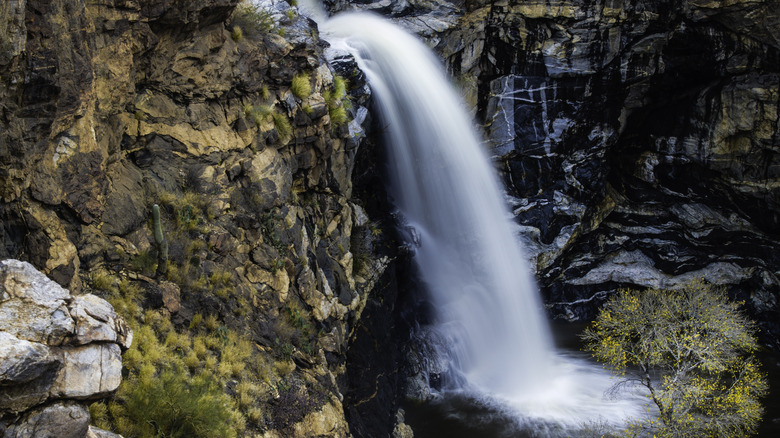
282,125
237,33
301,86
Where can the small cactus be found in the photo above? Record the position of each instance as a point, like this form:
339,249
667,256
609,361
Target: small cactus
160,242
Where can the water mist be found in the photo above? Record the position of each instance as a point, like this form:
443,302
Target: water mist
488,311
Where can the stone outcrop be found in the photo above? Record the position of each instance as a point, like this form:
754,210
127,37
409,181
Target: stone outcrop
640,140
55,348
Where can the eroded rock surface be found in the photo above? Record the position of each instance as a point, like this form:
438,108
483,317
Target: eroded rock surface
58,420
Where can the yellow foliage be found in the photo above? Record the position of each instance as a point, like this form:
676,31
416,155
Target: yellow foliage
337,101
212,323
701,348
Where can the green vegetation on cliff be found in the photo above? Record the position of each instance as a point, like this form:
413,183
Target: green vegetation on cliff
252,21
176,377
337,100
301,86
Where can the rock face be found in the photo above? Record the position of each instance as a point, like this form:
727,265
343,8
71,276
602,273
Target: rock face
640,140
48,359
108,108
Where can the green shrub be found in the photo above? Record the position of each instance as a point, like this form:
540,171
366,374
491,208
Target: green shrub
337,101
221,283
298,317
212,323
237,33
261,113
144,262
175,387
126,301
98,413
253,20
258,114
282,125
104,281
190,210
339,87
338,115
173,405
196,320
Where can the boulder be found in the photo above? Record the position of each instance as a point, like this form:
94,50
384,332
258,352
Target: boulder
97,321
27,372
33,307
89,371
22,361
171,296
54,346
59,420
402,430
94,432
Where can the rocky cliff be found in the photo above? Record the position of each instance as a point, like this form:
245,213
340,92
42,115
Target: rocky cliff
640,140
191,162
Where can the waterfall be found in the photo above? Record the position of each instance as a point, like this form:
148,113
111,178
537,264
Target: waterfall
446,190
488,310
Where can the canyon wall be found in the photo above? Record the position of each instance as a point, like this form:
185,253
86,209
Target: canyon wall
191,162
638,140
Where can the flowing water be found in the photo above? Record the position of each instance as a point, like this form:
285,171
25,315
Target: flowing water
490,326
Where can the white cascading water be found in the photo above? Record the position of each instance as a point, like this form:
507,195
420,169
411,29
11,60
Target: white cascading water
445,188
487,304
